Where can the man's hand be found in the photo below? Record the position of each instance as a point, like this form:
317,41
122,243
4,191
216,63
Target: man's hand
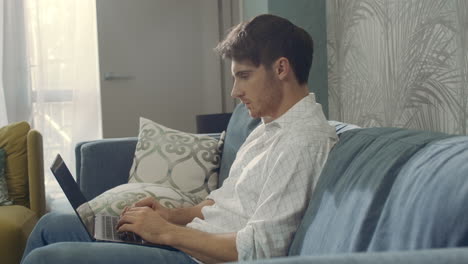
153,223
146,222
151,203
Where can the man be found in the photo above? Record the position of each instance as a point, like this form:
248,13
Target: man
259,207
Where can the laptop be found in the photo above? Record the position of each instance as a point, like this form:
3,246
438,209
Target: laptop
99,227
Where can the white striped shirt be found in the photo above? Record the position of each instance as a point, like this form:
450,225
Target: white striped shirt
270,182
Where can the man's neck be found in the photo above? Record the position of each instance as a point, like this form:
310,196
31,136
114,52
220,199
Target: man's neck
292,95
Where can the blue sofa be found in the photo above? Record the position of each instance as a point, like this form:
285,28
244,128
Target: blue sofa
386,195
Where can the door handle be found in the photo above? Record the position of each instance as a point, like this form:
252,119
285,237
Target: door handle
110,76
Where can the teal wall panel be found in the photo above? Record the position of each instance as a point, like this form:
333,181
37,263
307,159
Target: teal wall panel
310,15
252,8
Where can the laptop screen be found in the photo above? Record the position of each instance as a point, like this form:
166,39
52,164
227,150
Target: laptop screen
73,194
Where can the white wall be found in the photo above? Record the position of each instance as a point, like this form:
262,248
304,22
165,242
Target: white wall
165,46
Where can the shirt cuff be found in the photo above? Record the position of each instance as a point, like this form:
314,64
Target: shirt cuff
245,243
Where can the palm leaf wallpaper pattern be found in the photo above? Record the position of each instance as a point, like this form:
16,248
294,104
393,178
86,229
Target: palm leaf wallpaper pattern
400,63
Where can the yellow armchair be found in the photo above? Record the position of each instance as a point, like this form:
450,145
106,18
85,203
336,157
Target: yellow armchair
25,178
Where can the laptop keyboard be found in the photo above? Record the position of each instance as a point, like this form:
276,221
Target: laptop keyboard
109,224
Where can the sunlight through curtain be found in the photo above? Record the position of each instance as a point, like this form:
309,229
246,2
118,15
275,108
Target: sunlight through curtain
400,63
63,60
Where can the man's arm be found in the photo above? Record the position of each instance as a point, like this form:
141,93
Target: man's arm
183,216
207,247
152,227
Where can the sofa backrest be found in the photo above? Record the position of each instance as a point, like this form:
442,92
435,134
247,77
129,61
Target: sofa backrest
239,127
388,189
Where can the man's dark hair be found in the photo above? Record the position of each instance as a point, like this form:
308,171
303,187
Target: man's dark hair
266,38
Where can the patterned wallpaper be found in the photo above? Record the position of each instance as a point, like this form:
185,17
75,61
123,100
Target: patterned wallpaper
400,63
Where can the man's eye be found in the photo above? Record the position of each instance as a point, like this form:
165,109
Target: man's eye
244,76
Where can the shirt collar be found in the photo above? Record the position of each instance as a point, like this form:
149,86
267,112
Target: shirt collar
294,113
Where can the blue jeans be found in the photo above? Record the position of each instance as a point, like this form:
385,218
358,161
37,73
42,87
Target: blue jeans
61,238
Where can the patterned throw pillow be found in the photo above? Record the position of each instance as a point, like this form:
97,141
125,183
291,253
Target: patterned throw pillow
113,201
341,127
183,161
3,184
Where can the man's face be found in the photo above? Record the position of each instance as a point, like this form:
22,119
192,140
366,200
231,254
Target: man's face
257,87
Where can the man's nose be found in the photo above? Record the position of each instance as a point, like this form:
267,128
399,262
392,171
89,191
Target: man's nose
235,92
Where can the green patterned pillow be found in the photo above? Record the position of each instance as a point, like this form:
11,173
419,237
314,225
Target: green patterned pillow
4,200
184,161
113,201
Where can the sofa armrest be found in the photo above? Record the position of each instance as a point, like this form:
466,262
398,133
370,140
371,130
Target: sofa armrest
431,256
35,154
103,164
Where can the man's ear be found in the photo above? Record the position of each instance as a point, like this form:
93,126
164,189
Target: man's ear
282,68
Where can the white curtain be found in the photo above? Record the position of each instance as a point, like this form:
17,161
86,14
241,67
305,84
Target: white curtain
63,67
3,114
15,96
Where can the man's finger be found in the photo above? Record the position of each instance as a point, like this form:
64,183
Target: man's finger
136,209
126,219
145,202
125,228
125,210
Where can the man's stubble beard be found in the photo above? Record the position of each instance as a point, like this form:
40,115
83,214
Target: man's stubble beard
274,97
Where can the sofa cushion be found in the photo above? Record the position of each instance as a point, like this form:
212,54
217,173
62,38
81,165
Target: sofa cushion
426,207
349,198
13,141
16,223
185,161
239,127
4,200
